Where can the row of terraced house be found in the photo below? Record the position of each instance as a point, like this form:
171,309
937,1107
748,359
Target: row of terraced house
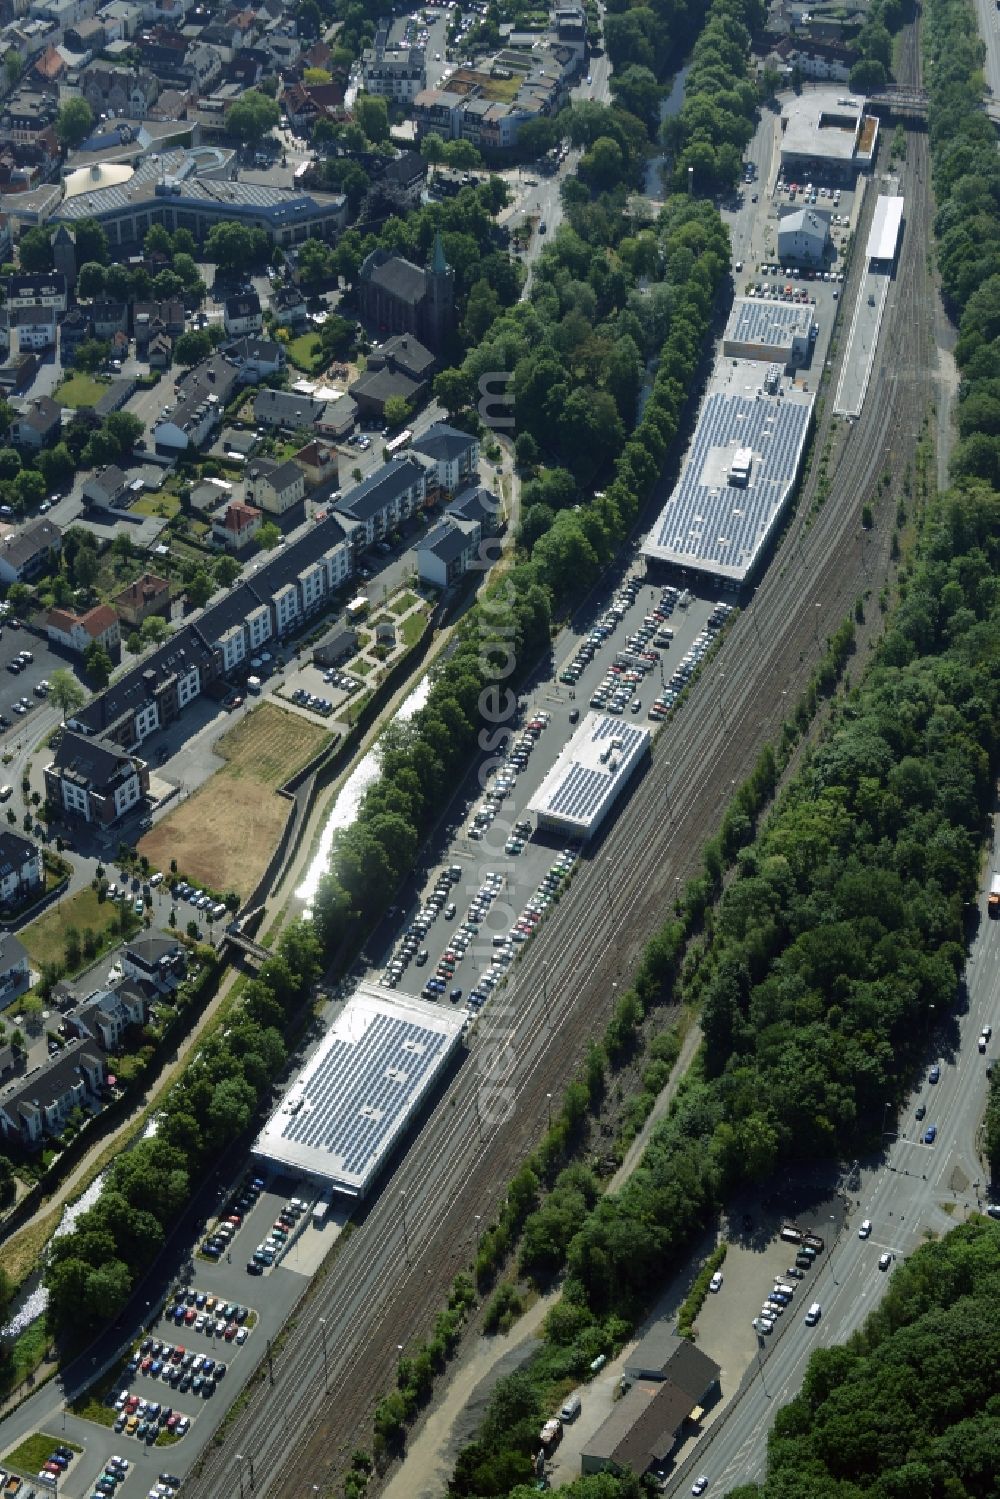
96,773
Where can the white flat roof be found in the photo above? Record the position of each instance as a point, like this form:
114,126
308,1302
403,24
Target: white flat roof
887,223
709,524
353,1099
589,774
822,123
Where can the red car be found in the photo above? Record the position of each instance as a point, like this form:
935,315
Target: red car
178,1353
190,1315
146,1364
230,1332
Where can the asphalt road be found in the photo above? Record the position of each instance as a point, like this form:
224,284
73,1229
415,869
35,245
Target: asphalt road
988,16
904,1195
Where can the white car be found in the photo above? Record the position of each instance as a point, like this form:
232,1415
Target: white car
865,1229
715,1284
700,1484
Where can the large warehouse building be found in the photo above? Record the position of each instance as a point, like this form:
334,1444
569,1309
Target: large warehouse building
344,1114
777,332
589,776
738,475
887,226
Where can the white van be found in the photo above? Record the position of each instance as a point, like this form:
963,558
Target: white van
6,792
813,1314
571,1408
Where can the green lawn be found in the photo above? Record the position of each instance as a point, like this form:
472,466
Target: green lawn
160,503
45,939
412,628
304,352
400,605
34,1451
79,390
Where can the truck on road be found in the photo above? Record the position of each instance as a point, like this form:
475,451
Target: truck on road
994,901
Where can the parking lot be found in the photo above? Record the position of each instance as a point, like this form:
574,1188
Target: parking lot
325,691
464,923
20,692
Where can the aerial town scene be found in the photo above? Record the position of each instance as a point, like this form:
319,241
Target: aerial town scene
499,749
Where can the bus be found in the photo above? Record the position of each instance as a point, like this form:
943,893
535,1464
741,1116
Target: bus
398,443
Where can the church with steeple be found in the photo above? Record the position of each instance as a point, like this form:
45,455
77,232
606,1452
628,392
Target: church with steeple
396,296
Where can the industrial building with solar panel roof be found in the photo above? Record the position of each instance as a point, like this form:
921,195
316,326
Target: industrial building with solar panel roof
589,776
352,1103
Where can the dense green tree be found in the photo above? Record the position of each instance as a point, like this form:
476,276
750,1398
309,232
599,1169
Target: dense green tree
252,117
74,123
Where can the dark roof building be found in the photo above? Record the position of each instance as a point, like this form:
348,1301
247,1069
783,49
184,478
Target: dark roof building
94,780
397,296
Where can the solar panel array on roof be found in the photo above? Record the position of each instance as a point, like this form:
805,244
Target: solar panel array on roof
340,1118
589,773
712,525
754,321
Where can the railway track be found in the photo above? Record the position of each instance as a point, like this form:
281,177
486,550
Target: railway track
392,1274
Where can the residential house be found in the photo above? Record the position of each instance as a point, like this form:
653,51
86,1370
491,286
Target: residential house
108,1014
15,972
274,487
394,73
74,330
109,318
399,370
146,596
285,409
129,92
454,456
153,694
35,328
447,551
656,1413
203,394
305,103
289,306
22,870
237,528
38,1107
828,60
389,495
242,314
255,358
29,551
87,37
477,503
151,318
30,291
318,462
94,781
29,118
155,959
107,489
36,424
160,351
77,632
396,296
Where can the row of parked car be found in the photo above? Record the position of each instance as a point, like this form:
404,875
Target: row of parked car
524,928
54,1466
146,1419
267,1252
198,898
320,705
501,785
231,1218
409,949
689,663
605,626
463,938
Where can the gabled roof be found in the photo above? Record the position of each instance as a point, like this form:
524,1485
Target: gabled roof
41,413
380,488
245,304
97,764
401,278
95,621
447,540
443,443
280,476
15,852
240,517
26,543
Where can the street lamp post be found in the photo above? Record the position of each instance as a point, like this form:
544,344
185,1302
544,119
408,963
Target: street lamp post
406,1237
326,1369
548,1105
